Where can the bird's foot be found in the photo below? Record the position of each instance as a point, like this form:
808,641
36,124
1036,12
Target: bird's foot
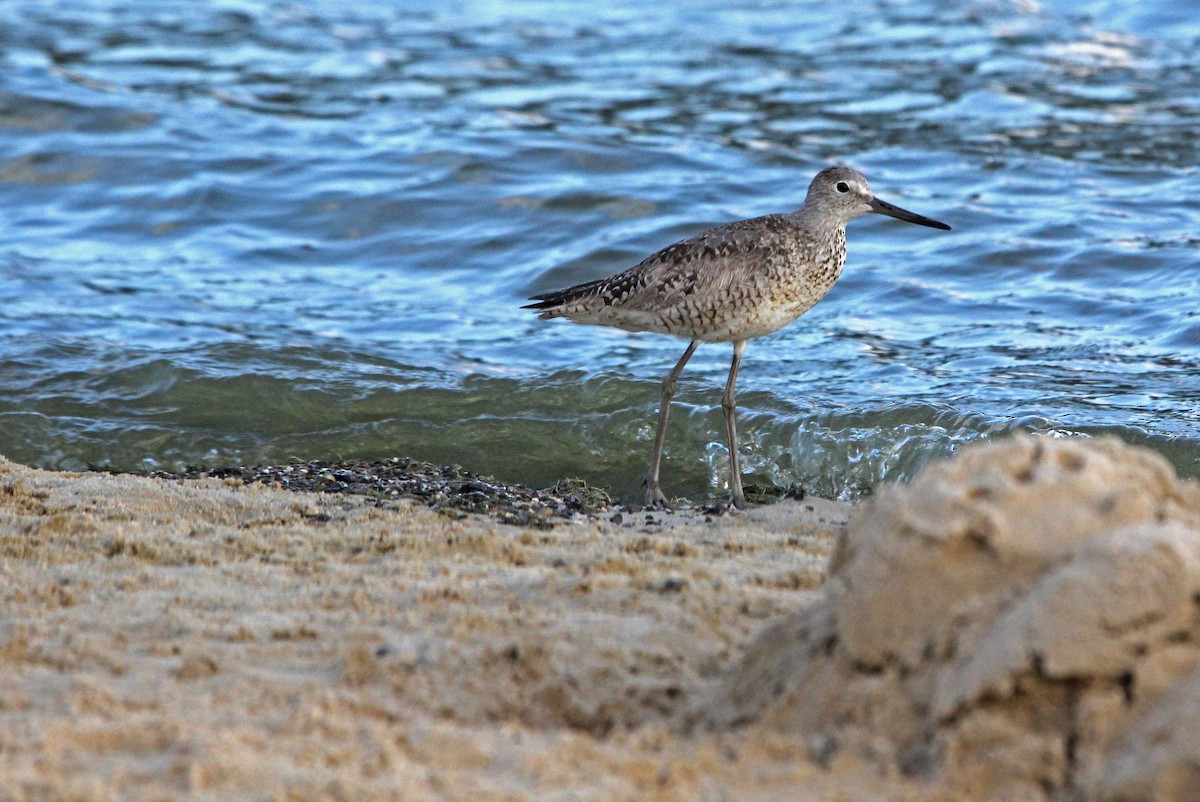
655,497
724,507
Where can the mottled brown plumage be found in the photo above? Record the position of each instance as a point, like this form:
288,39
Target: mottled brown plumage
730,284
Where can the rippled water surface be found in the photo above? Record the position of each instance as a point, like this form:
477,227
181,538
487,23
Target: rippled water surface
241,232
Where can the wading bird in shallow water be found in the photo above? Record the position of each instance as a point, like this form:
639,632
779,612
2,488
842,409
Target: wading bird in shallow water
730,284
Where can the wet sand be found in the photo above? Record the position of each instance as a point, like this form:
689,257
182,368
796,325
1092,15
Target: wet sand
180,639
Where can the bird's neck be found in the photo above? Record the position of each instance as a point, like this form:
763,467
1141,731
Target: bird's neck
819,227
816,219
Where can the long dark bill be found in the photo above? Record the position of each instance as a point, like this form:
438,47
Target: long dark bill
883,207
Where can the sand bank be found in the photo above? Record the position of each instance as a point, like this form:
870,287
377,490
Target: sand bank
1022,605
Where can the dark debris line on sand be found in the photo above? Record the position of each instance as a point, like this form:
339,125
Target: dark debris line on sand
449,488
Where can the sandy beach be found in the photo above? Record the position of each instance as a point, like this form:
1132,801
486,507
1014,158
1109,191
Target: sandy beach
1020,622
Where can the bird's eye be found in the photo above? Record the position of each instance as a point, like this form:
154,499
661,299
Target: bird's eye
842,186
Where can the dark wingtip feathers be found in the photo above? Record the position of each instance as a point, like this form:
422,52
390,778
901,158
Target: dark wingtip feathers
544,301
547,302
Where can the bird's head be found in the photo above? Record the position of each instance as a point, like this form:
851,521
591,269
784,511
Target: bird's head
844,194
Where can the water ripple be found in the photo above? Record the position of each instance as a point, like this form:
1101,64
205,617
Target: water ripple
253,232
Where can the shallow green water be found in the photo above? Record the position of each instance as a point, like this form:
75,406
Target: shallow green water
247,232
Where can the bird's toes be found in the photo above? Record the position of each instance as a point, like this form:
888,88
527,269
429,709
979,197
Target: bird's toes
655,498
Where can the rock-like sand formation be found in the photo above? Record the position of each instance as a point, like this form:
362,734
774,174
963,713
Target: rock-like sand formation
1020,623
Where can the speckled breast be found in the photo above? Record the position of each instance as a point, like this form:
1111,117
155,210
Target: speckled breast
782,292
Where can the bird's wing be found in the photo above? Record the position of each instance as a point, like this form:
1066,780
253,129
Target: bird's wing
691,277
698,270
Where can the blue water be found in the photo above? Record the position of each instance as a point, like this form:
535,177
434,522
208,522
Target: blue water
241,232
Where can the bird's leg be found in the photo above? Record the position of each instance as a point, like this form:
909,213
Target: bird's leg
729,406
654,495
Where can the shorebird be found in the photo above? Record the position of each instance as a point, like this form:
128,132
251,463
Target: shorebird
730,284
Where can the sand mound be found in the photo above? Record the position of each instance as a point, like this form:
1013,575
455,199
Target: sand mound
1022,622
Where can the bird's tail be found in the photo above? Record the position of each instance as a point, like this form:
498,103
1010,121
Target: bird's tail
552,304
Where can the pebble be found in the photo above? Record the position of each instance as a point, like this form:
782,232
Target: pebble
448,488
